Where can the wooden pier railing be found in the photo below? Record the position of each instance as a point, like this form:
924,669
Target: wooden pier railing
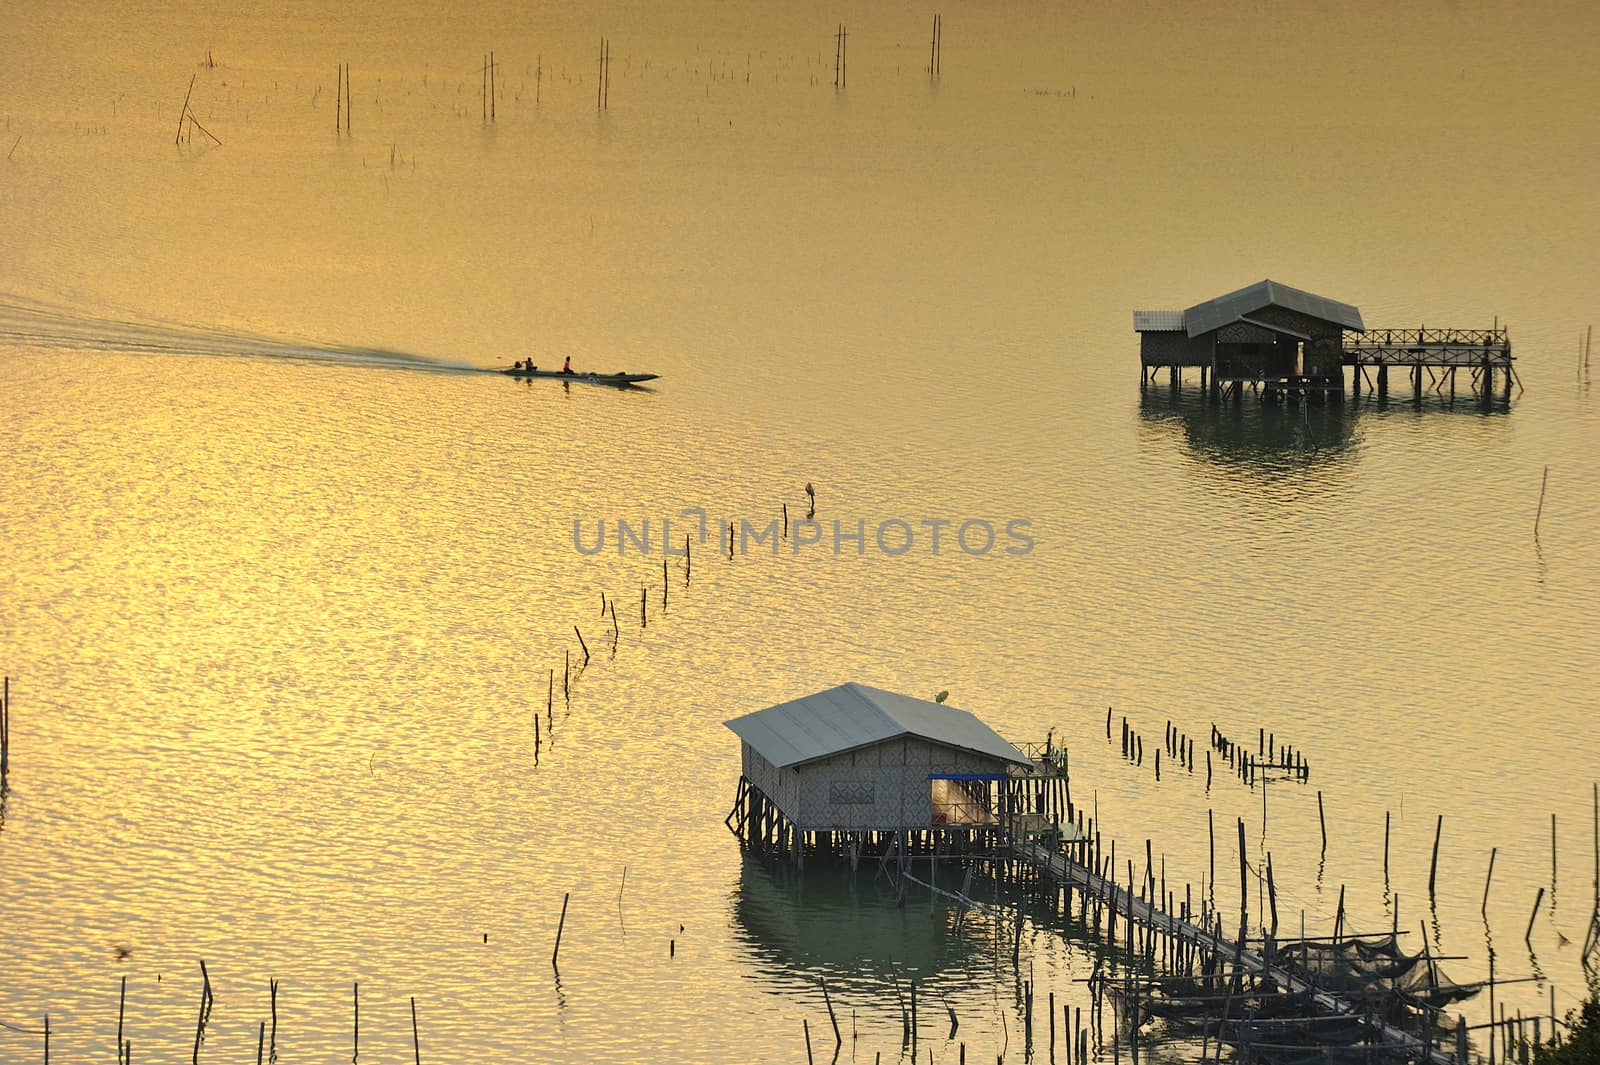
1429,347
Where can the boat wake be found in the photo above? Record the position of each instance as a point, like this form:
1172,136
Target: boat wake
33,323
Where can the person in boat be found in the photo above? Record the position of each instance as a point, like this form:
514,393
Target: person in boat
566,367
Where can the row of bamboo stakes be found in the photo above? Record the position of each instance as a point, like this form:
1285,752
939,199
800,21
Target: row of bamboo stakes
266,1038
608,609
1282,759
343,101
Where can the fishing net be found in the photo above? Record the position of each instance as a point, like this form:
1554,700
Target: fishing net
1362,988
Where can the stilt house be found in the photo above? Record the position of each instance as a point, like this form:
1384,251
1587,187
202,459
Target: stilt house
1267,331
861,760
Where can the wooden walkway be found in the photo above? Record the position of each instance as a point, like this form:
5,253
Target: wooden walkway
1438,353
1122,902
1439,348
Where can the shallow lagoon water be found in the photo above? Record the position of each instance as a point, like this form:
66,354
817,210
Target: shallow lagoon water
283,586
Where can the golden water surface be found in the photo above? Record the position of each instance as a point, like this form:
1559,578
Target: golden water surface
284,581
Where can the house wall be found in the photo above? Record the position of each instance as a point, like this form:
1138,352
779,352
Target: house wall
1323,354
1245,350
780,786
1174,349
882,787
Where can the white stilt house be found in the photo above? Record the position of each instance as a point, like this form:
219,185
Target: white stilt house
857,763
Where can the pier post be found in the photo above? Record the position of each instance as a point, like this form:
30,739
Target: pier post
1244,881
1383,380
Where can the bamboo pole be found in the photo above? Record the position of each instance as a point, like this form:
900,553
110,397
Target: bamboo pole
1244,882
181,114
1433,866
1385,844
1543,482
416,1045
561,925
1272,894
196,125
200,1018
1486,880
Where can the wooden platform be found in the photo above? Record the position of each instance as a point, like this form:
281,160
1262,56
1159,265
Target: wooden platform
1130,906
1437,354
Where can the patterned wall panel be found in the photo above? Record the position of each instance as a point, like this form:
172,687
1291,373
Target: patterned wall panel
1245,333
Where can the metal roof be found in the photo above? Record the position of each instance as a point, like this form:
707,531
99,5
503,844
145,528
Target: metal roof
853,716
1213,314
1157,321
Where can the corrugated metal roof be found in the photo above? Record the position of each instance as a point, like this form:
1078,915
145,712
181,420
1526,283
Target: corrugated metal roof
1213,314
852,716
1157,321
